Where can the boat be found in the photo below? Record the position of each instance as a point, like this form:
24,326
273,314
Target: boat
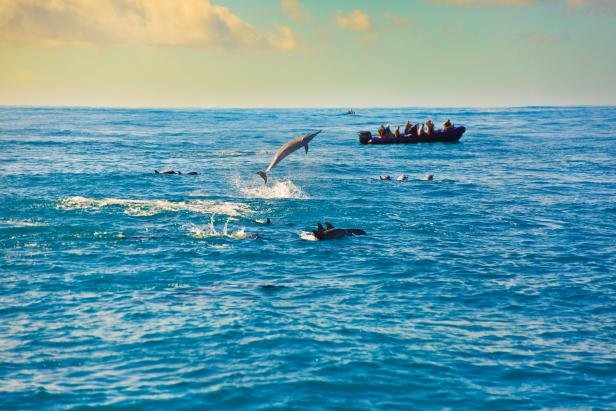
450,135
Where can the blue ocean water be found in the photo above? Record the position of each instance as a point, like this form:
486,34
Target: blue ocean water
491,287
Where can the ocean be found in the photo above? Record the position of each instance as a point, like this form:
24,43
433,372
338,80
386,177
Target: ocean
491,287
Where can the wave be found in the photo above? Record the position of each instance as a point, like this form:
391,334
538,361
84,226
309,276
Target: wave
228,153
231,153
22,223
146,208
281,189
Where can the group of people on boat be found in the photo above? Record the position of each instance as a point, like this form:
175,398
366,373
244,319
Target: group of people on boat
411,129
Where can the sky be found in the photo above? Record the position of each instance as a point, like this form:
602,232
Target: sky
307,53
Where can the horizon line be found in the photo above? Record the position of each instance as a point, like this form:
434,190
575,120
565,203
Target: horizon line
79,106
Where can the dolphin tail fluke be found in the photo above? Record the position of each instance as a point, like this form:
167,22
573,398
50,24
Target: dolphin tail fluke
263,175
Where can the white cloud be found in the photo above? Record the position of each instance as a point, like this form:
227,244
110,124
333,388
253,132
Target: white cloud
142,22
485,2
397,20
355,20
295,10
509,2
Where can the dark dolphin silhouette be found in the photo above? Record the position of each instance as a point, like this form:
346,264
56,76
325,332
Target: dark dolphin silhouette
332,233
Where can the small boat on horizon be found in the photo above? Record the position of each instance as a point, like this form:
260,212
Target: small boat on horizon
452,134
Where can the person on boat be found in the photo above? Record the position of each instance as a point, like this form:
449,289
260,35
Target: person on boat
420,129
407,128
429,127
447,125
381,131
397,132
388,132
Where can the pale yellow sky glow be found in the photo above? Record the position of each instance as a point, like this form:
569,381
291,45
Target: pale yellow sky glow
133,22
280,53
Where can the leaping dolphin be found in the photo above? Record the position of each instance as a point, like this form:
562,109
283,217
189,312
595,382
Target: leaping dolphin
284,151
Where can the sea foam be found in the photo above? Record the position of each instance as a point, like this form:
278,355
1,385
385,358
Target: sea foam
152,207
22,223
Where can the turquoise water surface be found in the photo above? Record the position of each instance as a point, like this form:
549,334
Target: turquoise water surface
491,287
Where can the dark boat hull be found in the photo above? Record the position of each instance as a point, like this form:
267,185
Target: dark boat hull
451,135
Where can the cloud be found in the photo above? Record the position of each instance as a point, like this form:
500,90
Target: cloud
283,38
596,7
295,10
590,7
134,22
484,2
355,20
397,20
502,2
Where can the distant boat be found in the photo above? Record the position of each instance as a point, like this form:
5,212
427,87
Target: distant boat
350,113
449,135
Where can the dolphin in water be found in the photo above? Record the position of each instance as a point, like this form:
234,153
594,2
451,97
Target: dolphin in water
332,233
284,151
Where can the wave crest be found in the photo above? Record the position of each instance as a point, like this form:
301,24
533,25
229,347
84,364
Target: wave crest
151,207
22,223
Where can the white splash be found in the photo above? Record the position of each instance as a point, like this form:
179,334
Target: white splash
305,235
152,207
281,189
210,230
